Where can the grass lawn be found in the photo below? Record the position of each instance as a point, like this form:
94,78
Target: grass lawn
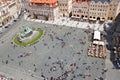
29,42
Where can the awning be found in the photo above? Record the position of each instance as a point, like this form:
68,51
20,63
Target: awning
102,19
99,42
85,18
97,35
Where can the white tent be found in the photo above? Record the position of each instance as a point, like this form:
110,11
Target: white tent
99,42
97,35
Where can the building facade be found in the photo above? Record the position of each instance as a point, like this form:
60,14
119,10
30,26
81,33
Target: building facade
8,12
114,9
80,10
101,10
98,10
65,7
44,9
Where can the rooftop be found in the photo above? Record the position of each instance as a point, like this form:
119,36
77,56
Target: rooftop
80,2
43,1
101,1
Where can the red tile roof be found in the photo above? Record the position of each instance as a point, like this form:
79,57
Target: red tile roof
43,1
79,2
4,1
73,1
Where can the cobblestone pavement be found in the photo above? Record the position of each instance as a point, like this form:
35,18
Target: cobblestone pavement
70,23
60,53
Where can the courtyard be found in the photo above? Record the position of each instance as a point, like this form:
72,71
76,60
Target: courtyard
60,54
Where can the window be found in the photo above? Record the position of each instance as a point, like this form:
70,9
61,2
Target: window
3,12
114,9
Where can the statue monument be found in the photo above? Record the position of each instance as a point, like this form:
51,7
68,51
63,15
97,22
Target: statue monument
27,34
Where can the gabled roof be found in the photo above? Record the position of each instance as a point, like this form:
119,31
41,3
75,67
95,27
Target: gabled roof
73,1
43,1
80,2
5,1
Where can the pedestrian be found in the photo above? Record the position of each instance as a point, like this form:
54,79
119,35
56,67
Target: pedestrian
8,55
35,69
6,61
2,61
32,75
34,65
19,63
12,59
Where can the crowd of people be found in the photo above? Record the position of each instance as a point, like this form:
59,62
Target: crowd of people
67,65
4,77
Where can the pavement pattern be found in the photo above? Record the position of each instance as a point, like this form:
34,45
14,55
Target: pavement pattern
61,54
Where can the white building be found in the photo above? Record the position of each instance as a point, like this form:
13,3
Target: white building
8,11
80,10
13,10
65,7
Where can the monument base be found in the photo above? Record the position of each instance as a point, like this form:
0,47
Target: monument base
32,36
